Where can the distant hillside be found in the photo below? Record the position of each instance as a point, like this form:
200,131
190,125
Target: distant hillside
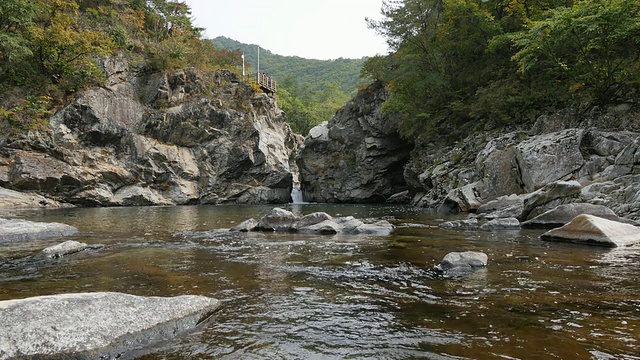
307,72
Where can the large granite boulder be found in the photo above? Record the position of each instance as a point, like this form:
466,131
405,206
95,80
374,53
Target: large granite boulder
94,325
18,230
157,140
356,156
593,230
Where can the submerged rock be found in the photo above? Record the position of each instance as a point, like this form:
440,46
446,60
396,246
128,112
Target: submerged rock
464,224
501,224
16,229
65,248
593,230
94,325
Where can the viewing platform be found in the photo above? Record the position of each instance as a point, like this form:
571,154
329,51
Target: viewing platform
266,83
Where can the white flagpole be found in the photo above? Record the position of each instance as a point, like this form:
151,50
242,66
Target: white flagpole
243,65
258,61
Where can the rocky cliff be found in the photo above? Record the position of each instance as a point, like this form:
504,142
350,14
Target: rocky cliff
567,157
157,139
601,161
356,156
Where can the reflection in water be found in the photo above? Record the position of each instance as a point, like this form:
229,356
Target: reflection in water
296,296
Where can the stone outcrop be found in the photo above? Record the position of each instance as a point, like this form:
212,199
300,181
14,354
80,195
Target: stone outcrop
522,175
356,156
94,325
17,230
159,139
14,200
315,223
593,230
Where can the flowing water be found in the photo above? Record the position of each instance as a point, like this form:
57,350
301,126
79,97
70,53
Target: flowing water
293,296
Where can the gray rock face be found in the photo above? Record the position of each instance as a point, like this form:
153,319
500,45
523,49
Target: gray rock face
357,156
17,230
550,157
593,230
94,325
485,174
155,140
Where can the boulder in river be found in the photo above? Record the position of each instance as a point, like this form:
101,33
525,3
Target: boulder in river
16,229
563,214
593,230
463,261
321,223
94,325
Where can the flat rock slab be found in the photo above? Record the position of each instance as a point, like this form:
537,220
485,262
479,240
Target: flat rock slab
593,230
65,248
17,229
94,325
10,199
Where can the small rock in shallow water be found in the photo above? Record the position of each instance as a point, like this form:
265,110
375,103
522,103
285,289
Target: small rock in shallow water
65,248
463,261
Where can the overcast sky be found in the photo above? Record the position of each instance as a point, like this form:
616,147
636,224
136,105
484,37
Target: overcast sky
313,29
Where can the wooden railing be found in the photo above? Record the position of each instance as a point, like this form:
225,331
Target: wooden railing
266,83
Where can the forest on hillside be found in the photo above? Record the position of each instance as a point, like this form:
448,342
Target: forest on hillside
51,49
456,65
464,65
309,90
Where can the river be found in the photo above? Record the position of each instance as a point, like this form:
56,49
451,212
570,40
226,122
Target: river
293,296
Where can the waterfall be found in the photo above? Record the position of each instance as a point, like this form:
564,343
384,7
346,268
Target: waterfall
296,195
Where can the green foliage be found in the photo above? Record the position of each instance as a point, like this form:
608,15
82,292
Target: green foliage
314,73
465,65
306,107
50,48
309,91
594,45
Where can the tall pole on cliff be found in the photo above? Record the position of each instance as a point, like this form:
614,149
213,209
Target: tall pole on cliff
258,75
243,65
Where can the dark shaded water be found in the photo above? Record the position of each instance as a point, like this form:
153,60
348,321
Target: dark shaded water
290,296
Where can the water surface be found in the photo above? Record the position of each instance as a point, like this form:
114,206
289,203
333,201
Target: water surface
293,296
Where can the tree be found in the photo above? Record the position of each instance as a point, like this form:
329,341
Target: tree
593,46
63,51
16,16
